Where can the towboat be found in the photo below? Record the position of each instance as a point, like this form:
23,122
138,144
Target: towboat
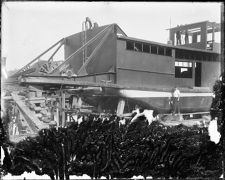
104,70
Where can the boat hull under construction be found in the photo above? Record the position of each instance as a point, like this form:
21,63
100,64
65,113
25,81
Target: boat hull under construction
108,96
190,102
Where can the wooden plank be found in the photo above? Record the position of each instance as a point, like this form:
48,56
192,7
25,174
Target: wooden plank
49,80
35,88
37,99
188,26
61,81
34,123
191,113
7,98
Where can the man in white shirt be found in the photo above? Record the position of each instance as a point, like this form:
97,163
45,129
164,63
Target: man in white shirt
176,100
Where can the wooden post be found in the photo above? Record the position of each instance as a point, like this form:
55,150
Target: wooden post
120,107
79,102
57,115
74,102
99,108
63,109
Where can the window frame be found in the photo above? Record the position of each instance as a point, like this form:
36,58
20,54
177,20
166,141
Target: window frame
179,65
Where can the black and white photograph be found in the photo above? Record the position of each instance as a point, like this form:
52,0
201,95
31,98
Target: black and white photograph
112,90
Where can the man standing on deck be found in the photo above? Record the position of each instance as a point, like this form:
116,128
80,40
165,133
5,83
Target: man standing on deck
178,36
176,101
186,37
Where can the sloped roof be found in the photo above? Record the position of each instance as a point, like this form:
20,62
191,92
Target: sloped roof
102,27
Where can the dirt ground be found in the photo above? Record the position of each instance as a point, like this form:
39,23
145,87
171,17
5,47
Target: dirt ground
170,120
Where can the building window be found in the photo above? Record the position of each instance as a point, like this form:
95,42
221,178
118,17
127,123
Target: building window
130,45
186,55
190,39
153,49
179,54
183,69
198,56
137,46
199,38
216,57
168,52
212,58
146,48
194,38
161,50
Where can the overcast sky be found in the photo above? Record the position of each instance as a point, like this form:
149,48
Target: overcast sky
29,28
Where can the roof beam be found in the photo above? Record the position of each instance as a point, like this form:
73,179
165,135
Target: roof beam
35,59
61,43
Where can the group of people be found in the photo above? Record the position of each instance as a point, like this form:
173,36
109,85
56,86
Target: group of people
178,36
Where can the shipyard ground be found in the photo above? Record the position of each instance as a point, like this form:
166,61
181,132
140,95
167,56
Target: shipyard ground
170,120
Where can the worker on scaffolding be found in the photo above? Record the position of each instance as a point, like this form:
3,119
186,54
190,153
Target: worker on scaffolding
186,37
178,36
176,101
